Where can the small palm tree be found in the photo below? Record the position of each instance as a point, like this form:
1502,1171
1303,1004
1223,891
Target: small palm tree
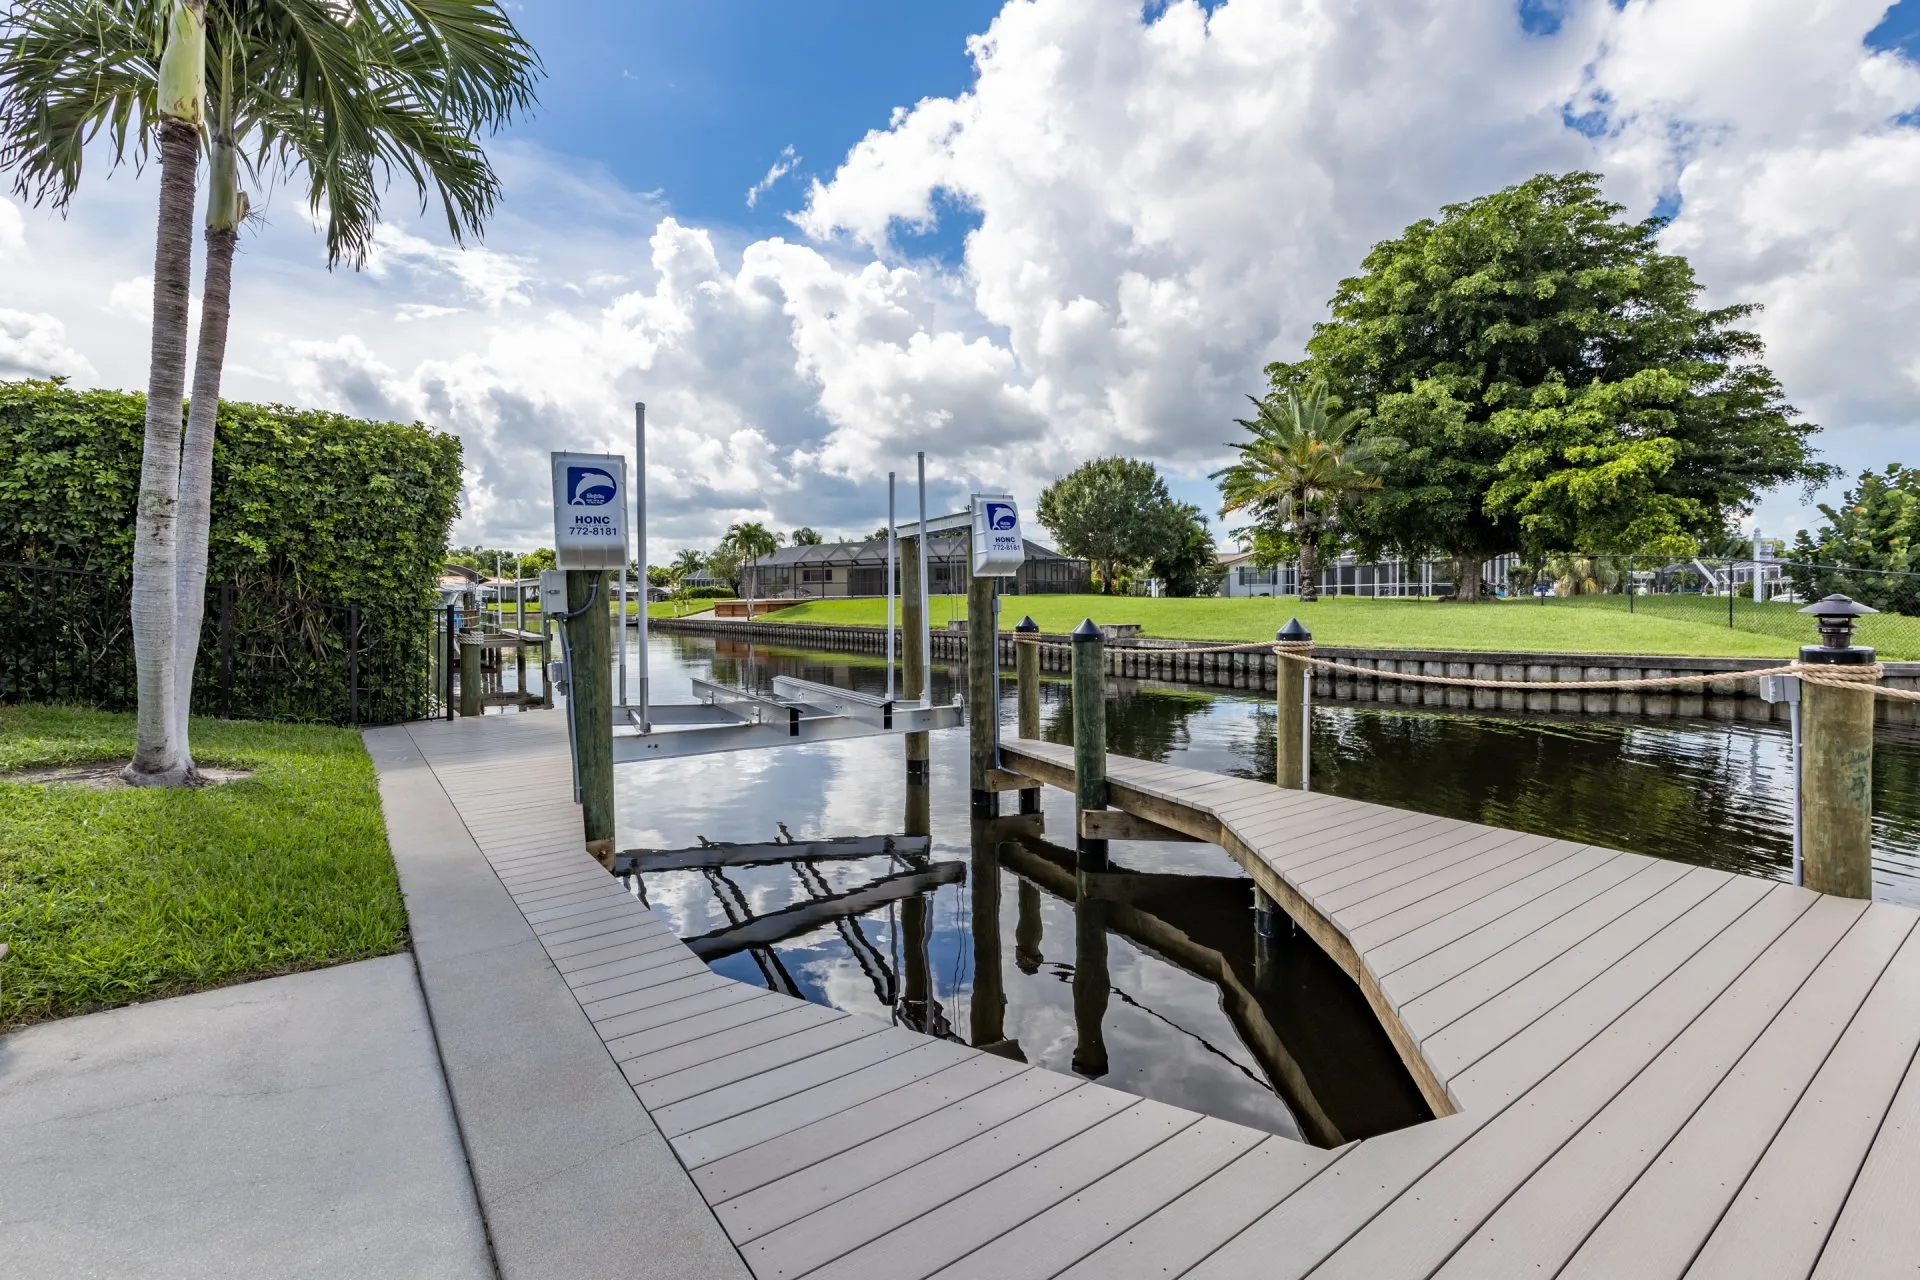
344,90
1299,468
1577,575
750,540
686,564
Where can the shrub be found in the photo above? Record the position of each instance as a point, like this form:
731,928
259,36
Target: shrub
312,511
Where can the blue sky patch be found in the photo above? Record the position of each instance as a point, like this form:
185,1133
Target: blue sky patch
1542,17
945,240
697,102
1899,30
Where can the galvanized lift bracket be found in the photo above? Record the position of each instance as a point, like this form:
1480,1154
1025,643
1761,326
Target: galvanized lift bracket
730,719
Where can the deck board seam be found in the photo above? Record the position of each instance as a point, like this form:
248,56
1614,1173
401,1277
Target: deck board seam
1786,1116
1707,1095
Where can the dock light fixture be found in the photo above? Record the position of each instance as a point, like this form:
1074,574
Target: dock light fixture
1835,617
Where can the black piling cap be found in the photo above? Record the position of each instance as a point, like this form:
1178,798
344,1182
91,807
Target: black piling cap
1293,631
1086,631
1026,624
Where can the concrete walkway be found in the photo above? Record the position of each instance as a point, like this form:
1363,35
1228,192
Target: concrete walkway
291,1127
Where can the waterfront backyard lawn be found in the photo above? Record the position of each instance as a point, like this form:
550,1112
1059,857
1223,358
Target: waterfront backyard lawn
121,895
1506,625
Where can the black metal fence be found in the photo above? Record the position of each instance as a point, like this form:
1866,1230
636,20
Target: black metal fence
66,636
1718,592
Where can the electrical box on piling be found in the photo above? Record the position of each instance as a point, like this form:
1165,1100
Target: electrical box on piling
998,548
590,510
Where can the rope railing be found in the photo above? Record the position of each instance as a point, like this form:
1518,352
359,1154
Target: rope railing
1835,677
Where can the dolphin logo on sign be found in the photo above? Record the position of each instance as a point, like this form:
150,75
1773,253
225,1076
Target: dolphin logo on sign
1001,517
590,487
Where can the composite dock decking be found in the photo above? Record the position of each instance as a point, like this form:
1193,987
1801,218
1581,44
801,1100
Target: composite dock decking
1650,1069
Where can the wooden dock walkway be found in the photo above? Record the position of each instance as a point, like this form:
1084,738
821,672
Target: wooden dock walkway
1643,1068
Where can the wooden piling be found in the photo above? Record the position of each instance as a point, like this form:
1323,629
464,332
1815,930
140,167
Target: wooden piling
983,712
590,703
913,668
1026,669
1836,789
472,683
1089,737
1290,762
1836,757
1026,674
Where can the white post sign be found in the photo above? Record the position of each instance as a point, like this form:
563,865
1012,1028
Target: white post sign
590,510
998,548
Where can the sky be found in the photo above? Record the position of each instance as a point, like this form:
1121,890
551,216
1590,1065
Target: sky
816,239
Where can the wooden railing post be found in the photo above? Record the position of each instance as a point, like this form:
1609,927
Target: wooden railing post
1089,738
913,667
983,711
590,703
1026,672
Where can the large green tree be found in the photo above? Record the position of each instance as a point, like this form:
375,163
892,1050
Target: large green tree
1186,559
1875,527
1115,512
1550,383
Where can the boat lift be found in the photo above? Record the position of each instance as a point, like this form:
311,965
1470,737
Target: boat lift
724,718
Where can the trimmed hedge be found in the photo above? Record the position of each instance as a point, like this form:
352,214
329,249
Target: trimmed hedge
309,508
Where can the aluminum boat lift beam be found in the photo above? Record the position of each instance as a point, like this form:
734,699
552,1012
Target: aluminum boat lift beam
729,719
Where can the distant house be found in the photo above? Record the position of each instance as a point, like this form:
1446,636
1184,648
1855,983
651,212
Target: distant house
860,569
1348,575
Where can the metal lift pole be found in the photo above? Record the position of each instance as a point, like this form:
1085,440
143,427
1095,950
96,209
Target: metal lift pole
645,705
892,554
924,640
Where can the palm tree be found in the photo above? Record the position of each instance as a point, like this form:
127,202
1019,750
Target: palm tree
42,138
750,540
686,564
1578,575
344,90
807,536
1301,466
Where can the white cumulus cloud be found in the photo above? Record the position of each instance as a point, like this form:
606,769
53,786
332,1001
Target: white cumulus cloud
1136,212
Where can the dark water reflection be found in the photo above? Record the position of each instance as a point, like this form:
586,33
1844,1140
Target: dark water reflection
1151,980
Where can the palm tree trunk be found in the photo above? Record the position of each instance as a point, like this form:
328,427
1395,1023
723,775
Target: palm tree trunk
226,208
1309,565
196,472
157,757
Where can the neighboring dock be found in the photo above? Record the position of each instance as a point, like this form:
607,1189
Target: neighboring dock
1644,1068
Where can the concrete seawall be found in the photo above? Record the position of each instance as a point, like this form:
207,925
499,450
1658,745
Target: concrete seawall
1173,662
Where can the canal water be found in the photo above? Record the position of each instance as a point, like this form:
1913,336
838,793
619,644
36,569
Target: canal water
1158,979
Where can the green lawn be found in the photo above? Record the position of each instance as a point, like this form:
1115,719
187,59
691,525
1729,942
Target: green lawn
108,897
1519,625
